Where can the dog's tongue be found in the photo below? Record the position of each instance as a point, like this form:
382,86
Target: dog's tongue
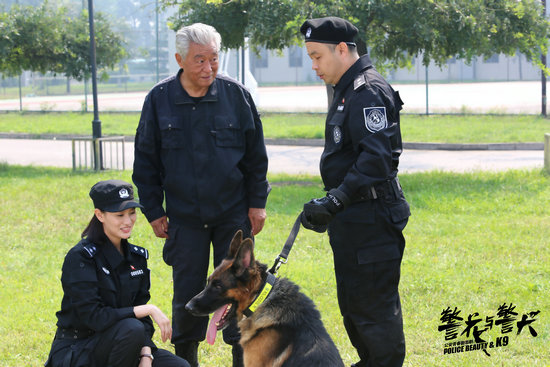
212,327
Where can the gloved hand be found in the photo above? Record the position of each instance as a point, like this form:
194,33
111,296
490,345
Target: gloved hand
319,212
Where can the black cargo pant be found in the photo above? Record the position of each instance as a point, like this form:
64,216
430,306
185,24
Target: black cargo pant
368,244
118,346
188,252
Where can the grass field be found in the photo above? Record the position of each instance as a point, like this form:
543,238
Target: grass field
474,241
414,128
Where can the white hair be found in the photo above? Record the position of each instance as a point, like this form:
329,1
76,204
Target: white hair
199,33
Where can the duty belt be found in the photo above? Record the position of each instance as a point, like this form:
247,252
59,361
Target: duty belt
73,333
390,186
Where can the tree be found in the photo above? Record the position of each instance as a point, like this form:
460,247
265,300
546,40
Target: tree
46,39
394,31
30,40
75,60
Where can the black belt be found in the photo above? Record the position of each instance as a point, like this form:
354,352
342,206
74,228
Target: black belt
73,333
390,186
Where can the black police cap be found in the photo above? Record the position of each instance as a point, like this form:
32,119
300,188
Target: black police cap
113,196
329,30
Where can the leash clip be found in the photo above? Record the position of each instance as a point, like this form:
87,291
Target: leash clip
278,262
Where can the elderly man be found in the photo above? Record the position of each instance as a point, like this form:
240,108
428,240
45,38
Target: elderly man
364,209
199,148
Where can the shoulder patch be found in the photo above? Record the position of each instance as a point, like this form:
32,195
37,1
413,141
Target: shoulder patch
90,250
359,81
139,250
375,118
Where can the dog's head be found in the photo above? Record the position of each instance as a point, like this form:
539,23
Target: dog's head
231,287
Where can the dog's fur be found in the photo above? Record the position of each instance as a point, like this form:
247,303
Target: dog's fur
286,329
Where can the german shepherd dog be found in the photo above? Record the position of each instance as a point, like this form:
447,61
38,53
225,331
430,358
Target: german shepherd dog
285,328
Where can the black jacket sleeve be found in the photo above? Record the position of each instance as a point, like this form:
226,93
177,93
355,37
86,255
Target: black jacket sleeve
378,149
80,284
254,163
148,169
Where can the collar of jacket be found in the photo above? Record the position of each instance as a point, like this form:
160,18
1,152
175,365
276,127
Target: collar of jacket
361,64
262,295
115,258
182,97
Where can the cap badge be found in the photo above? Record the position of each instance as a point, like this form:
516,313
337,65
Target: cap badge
308,33
123,193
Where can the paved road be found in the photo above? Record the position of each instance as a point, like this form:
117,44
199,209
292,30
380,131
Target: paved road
293,159
496,97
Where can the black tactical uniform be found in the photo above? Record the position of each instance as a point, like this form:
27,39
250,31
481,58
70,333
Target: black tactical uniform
359,163
206,159
101,288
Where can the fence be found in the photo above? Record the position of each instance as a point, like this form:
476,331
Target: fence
108,152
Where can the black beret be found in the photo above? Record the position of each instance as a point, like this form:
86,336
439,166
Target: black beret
329,30
113,196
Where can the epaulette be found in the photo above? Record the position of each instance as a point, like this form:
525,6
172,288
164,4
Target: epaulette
139,250
359,81
90,250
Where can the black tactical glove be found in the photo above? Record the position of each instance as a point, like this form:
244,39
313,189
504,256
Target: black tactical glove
319,212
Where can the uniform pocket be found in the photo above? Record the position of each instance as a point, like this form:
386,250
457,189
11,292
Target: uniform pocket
335,130
228,132
171,134
400,211
168,251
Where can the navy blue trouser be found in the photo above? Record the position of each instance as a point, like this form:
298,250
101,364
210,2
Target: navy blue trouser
118,346
368,244
188,252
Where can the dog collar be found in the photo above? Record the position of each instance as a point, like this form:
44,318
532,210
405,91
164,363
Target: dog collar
260,298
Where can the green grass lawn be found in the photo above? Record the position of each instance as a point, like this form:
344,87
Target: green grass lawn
414,128
474,241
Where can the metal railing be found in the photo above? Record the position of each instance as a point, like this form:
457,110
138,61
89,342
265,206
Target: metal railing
107,151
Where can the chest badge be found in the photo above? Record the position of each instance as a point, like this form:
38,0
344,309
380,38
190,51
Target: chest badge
337,134
375,118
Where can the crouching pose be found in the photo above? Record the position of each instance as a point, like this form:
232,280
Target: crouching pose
104,318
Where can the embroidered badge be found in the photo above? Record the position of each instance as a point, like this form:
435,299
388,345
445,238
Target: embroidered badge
340,108
123,193
308,33
337,134
375,118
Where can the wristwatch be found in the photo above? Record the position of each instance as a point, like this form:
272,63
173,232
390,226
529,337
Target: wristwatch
148,355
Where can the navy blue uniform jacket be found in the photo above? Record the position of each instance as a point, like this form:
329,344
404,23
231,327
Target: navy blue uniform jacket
100,288
203,158
362,133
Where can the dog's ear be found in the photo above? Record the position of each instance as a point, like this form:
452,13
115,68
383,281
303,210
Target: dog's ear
245,256
235,244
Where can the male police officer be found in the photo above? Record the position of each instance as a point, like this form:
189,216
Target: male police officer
364,209
199,146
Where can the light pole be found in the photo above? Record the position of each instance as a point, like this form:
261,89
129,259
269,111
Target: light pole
543,76
96,123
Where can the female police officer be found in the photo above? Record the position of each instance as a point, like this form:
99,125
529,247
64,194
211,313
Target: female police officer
105,319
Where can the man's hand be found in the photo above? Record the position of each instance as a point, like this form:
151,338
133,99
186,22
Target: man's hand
160,227
319,212
257,219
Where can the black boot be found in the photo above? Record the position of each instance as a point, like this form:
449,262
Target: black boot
237,351
188,351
